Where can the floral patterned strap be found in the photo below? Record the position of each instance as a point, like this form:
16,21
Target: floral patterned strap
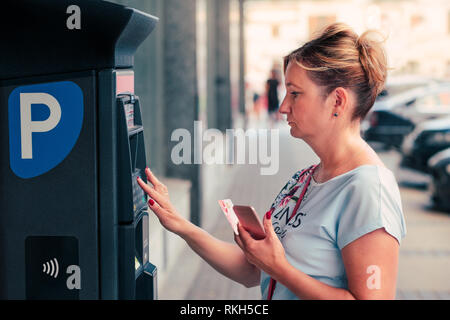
301,175
310,170
305,187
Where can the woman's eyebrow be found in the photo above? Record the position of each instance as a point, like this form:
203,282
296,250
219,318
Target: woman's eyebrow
290,84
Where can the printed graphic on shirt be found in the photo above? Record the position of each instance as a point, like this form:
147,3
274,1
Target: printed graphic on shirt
285,202
281,219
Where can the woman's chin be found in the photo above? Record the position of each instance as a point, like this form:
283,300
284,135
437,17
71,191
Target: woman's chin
294,132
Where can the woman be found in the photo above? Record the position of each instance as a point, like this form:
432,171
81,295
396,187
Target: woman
340,239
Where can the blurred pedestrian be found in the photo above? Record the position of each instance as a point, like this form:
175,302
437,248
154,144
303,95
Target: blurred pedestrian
257,105
273,102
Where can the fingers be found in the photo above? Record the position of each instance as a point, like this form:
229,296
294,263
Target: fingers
268,227
151,177
155,207
244,236
147,189
238,241
152,192
143,185
161,213
244,249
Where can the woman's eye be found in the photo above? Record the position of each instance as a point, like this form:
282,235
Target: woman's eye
295,94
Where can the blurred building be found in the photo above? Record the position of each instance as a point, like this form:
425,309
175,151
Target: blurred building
418,32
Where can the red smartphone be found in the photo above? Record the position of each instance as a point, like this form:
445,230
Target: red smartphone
248,218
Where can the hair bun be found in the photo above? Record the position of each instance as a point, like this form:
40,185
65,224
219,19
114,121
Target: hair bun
373,59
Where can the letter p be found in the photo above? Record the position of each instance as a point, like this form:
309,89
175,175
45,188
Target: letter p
27,126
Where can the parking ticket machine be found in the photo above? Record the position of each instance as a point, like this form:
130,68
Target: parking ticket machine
73,221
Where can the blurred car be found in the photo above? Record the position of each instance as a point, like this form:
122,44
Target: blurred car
426,140
391,119
439,166
398,84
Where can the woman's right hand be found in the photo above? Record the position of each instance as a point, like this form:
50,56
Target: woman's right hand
160,203
225,257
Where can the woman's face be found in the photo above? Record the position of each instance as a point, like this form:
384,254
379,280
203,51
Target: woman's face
307,110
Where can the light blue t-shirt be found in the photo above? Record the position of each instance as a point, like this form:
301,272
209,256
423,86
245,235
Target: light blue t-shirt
331,215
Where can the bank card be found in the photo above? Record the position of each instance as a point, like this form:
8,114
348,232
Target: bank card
227,208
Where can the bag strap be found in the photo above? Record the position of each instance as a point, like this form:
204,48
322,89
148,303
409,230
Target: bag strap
310,170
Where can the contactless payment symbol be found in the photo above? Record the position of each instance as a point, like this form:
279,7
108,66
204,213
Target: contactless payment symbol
51,268
45,122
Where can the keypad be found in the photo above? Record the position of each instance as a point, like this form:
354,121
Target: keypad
139,198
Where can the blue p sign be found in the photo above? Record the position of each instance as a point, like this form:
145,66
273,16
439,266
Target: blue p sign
45,121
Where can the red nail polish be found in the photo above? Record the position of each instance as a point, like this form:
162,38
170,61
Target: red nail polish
151,202
268,214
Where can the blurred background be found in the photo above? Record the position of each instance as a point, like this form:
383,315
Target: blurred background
219,62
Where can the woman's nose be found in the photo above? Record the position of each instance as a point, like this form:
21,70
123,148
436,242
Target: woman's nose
284,108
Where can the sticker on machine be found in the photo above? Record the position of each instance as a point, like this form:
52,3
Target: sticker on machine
52,268
45,121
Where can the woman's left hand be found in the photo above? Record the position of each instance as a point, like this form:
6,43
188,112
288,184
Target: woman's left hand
266,254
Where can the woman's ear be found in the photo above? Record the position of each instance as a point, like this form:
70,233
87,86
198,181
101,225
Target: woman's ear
340,100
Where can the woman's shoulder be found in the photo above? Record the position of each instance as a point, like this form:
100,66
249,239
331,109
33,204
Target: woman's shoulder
365,181
371,174
369,167
372,200
375,167
373,181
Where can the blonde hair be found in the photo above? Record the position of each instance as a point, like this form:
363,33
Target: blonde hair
338,57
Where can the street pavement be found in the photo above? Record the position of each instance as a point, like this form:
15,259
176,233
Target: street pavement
424,259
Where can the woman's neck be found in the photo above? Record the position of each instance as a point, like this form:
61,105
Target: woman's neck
338,157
